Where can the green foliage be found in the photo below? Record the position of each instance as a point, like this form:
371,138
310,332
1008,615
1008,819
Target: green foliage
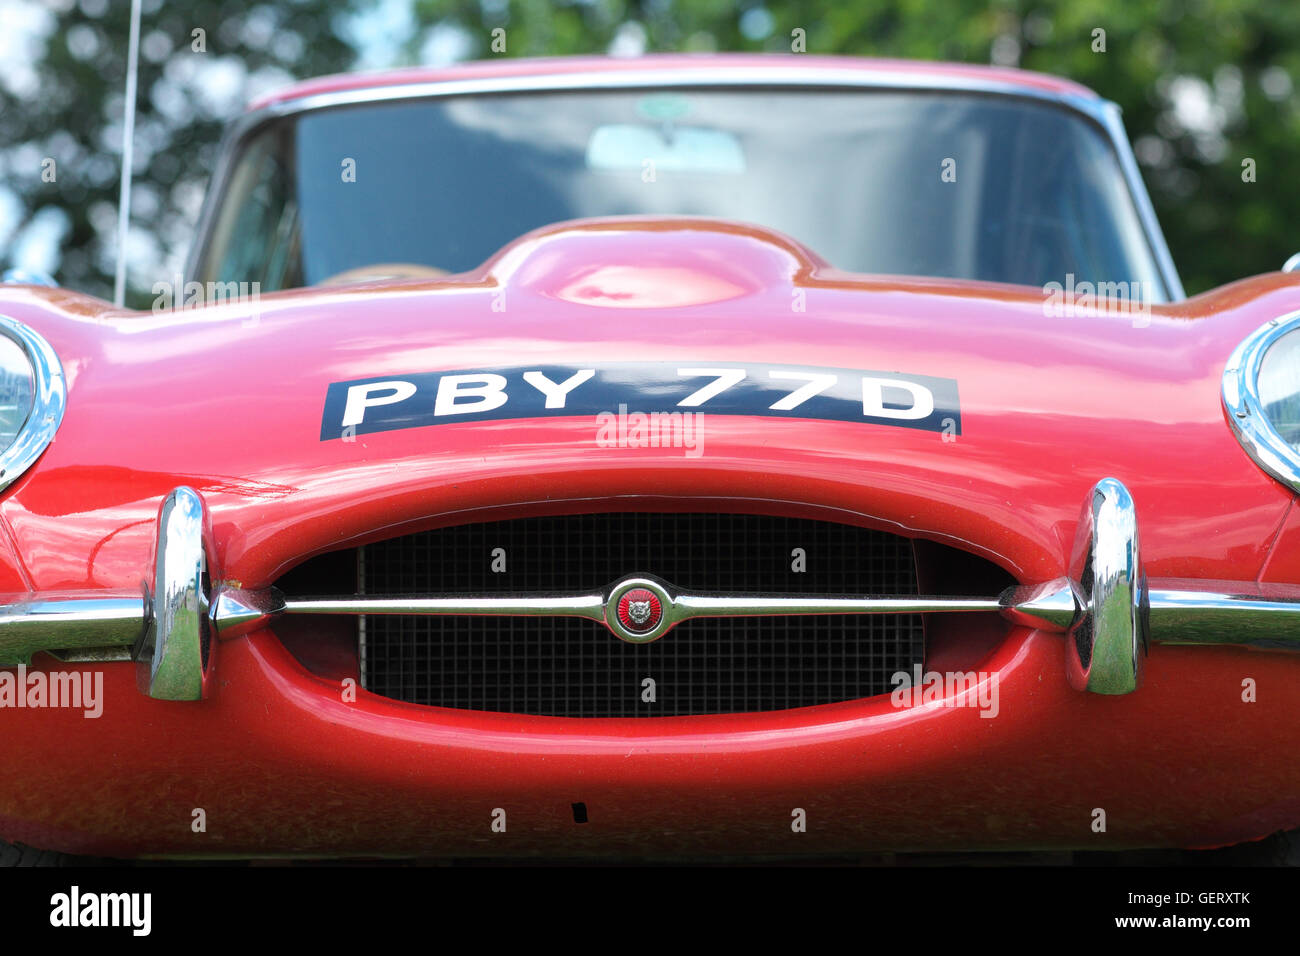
74,117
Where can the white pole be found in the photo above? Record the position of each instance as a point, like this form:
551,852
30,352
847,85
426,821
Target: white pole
128,143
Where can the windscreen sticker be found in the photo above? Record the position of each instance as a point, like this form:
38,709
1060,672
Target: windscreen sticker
392,402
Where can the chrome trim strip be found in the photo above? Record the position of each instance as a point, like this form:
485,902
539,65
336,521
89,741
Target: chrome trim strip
590,606
97,628
1103,113
235,611
1173,616
1212,617
175,653
761,606
1245,411
93,655
231,615
1116,612
49,399
64,624
694,605
1050,606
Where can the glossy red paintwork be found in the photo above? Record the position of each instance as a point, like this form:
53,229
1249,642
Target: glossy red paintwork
231,404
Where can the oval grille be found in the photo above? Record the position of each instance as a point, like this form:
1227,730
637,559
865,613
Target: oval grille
577,668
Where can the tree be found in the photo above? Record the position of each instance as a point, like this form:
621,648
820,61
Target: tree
198,62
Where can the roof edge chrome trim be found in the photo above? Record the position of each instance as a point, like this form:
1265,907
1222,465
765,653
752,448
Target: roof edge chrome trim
715,76
1102,112
1245,409
49,399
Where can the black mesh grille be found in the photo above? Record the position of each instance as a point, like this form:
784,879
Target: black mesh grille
577,668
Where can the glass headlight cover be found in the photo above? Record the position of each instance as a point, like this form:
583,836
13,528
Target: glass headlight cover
15,391
32,398
1261,394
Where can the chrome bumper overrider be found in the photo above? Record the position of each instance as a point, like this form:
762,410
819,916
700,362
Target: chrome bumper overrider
166,628
1105,608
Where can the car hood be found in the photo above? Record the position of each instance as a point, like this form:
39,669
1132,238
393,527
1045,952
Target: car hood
1032,407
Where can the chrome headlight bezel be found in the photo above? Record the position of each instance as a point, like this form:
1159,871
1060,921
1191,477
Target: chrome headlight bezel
1246,412
49,398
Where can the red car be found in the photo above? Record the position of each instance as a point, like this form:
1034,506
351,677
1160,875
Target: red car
675,457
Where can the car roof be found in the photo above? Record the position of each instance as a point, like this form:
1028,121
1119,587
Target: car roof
783,67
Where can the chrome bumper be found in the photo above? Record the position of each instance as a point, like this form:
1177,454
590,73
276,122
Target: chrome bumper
1104,608
167,627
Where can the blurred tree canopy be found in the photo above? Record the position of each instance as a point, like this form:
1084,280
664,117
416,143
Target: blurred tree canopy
1207,89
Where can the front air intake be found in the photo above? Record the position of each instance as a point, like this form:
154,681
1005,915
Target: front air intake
570,667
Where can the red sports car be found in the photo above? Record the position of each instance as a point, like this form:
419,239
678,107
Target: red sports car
673,457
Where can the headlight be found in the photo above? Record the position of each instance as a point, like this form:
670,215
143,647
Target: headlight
1261,393
32,398
15,390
